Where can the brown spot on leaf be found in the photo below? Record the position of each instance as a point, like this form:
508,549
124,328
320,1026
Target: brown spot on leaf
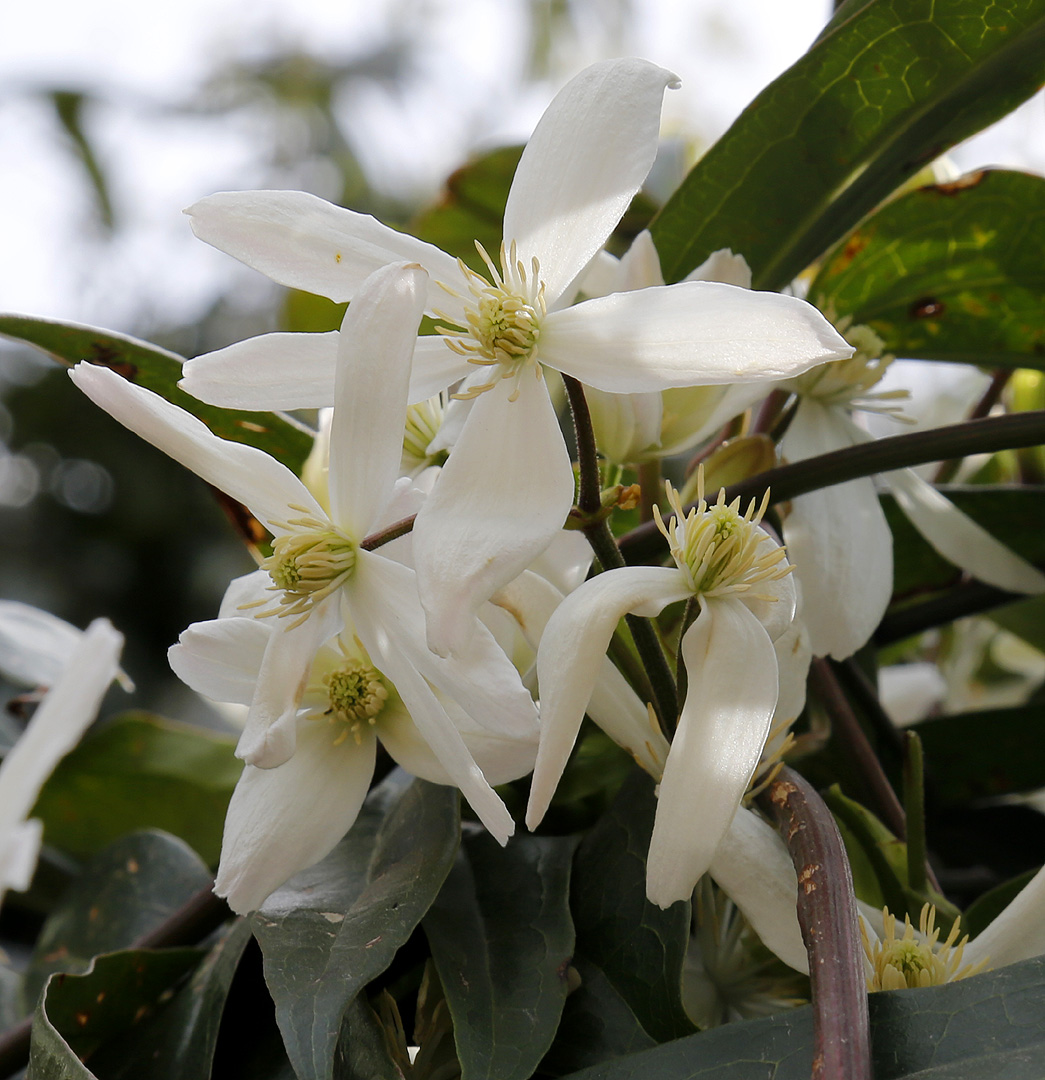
927,307
105,355
853,246
132,866
969,180
101,997
82,1018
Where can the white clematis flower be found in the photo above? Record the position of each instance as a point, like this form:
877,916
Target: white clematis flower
318,565
508,485
55,728
742,583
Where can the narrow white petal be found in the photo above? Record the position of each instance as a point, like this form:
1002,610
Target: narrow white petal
220,659
60,720
249,475
571,655
271,371
436,367
731,669
692,333
373,372
307,243
752,866
587,157
1018,933
281,821
20,843
725,267
502,496
959,539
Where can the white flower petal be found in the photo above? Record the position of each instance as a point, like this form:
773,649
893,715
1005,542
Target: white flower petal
373,372
271,371
627,426
249,475
961,540
587,157
694,413
246,589
502,496
1018,933
725,267
571,655
752,866
281,821
436,366
20,845
695,332
221,658
732,675
307,243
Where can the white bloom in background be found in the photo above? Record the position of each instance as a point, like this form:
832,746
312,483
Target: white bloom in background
55,728
742,583
837,537
320,573
508,484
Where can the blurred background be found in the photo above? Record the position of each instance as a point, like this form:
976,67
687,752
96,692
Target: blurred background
115,115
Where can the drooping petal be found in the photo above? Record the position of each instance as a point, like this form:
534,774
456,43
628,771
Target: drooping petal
754,869
249,475
58,723
695,332
220,659
373,372
694,413
271,371
587,157
571,655
502,496
961,540
1018,933
731,668
281,821
838,541
308,243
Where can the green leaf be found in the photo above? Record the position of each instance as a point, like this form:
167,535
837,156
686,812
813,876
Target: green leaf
989,1025
1025,619
334,927
989,905
886,91
638,946
140,772
363,1052
158,370
124,892
948,272
78,1014
502,938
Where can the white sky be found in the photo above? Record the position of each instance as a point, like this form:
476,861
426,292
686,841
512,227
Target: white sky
461,91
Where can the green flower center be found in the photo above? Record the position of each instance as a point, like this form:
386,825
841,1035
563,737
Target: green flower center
357,694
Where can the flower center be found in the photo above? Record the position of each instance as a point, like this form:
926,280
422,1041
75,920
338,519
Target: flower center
719,550
357,694
423,422
502,320
307,564
917,958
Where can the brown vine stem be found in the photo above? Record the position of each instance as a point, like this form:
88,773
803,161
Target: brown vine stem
827,916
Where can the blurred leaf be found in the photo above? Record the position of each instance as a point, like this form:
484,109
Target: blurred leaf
597,1025
334,927
978,755
1025,619
78,1014
158,370
638,946
889,89
989,1025
1012,515
137,772
502,938
986,908
949,272
68,107
307,313
123,892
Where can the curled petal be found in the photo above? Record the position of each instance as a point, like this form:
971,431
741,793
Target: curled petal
220,659
585,160
731,669
691,333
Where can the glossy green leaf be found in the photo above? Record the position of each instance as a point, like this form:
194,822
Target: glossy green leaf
502,938
124,892
883,93
334,927
79,1014
948,272
989,1025
140,772
158,370
638,946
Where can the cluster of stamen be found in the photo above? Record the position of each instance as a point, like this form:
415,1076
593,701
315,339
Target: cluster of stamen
308,562
357,694
502,317
720,550
849,382
918,957
423,422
